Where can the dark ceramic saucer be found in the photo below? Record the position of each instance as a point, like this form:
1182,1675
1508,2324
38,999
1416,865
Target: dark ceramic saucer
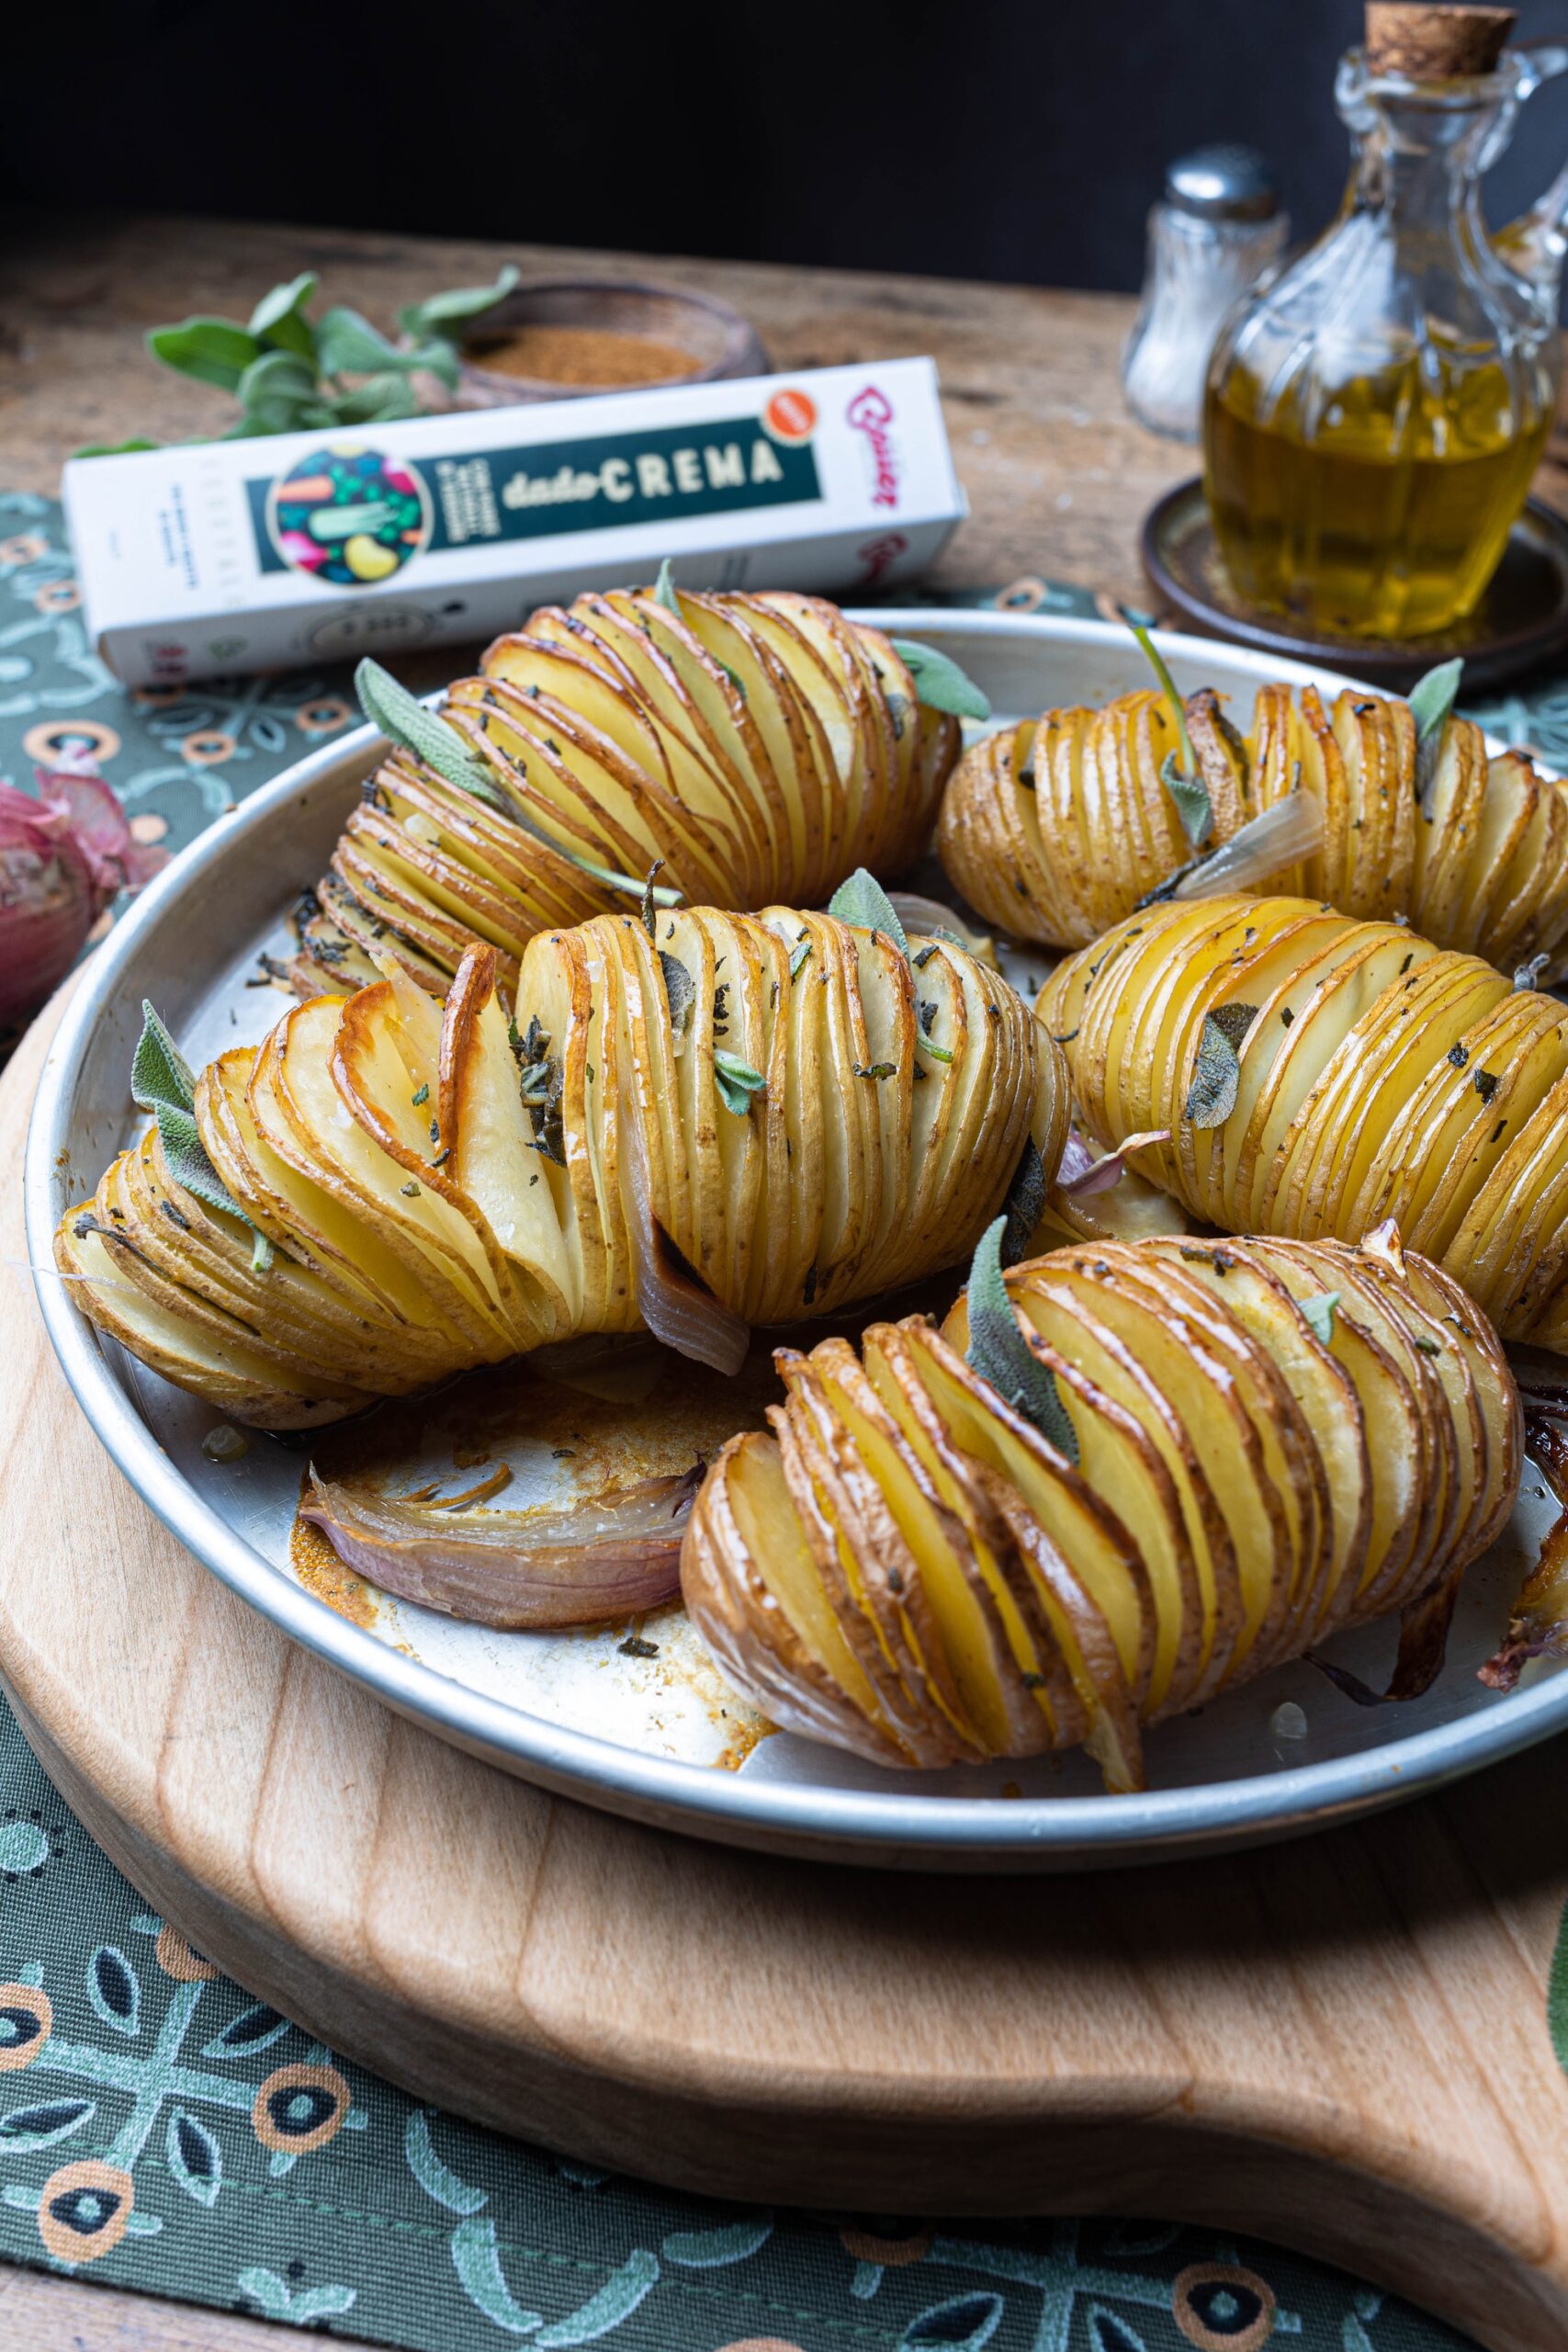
1522,617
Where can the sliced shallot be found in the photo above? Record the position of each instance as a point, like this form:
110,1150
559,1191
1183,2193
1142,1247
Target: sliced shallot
1286,834
603,1557
673,1298
1080,1175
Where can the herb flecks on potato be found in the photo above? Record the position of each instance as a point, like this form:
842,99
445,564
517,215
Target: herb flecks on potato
702,1121
761,747
1059,828
1319,1075
1264,1442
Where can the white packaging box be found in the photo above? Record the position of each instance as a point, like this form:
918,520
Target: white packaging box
232,555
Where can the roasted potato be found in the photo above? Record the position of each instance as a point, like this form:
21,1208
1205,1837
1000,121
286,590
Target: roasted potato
746,1117
1264,1442
1319,1075
1059,828
761,747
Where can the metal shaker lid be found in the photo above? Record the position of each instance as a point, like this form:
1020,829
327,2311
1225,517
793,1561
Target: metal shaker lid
1225,182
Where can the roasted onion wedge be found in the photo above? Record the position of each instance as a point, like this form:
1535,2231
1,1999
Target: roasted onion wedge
1269,1441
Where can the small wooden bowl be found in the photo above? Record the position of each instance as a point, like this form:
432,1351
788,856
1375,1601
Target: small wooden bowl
719,342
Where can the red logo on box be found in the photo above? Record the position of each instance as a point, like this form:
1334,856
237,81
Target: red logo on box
871,412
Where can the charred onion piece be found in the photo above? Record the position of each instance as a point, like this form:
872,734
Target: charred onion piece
603,1557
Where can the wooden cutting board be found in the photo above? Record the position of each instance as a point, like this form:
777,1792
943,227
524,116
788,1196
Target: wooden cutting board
1339,2043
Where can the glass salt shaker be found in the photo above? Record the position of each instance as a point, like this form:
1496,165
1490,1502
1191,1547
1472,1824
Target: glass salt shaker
1211,236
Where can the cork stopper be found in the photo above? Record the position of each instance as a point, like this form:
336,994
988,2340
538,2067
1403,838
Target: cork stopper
1428,43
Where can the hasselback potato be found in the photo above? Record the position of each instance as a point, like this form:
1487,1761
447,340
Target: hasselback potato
1319,1075
1260,1443
760,746
1059,828
739,1120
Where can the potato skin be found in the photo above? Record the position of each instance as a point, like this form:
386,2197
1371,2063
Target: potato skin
760,747
1380,1078
444,1186
1058,829
1011,1602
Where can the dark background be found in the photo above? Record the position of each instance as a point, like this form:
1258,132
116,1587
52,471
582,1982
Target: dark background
968,138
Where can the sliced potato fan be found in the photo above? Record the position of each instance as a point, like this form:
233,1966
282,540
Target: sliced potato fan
1241,1448
738,1120
760,747
1061,827
1318,1076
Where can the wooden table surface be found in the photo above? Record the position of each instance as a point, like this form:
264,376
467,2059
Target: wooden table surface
1058,479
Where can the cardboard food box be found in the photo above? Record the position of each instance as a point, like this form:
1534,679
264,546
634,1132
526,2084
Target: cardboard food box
230,556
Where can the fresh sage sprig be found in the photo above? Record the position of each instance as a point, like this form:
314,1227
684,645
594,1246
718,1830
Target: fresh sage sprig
1317,1314
737,1082
1216,1075
865,905
664,590
1180,775
163,1082
999,1351
403,718
1432,700
291,373
940,684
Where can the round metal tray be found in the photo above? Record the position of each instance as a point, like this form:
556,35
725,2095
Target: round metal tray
570,1711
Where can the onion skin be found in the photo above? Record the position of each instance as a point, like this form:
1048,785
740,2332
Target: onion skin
526,1570
62,857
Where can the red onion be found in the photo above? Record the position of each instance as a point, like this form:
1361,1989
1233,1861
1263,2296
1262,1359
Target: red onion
671,1296
604,1557
1080,1175
62,857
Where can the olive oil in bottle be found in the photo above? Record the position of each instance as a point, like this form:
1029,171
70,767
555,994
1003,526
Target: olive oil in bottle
1373,414
1385,514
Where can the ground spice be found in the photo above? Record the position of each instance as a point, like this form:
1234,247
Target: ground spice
583,356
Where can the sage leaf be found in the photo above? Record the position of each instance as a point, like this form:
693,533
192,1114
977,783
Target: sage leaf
347,344
1431,706
649,922
379,400
1193,806
189,1163
404,719
462,303
278,318
1156,662
940,684
737,1082
681,990
999,1351
159,1071
1024,1205
1557,1993
163,1082
115,449
1210,1098
1527,976
213,351
664,590
1317,1313
797,956
865,905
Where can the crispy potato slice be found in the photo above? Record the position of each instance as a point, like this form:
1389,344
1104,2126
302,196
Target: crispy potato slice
1248,1476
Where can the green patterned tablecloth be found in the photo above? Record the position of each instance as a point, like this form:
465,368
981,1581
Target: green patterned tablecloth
170,2132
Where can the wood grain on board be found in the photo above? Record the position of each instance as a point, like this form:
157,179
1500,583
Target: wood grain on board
1339,2044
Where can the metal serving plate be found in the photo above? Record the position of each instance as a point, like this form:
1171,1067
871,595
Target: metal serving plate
661,1740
